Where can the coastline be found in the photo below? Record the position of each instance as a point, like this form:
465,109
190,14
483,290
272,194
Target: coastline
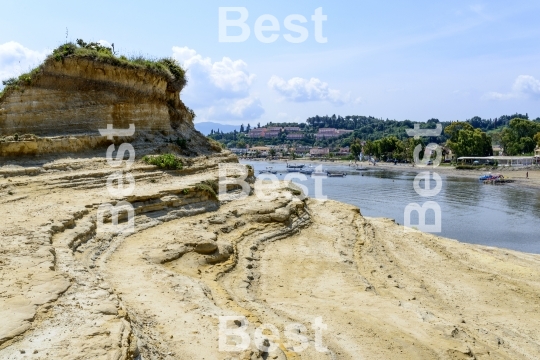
380,291
516,174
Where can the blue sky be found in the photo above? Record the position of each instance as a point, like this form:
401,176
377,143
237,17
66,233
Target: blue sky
393,59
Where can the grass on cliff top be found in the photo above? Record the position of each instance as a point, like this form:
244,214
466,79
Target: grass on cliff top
165,161
169,68
215,145
208,187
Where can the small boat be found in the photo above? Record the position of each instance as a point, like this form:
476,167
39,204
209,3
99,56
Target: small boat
319,173
485,177
490,177
336,174
307,170
268,170
295,166
361,168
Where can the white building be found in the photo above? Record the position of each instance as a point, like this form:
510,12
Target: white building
514,161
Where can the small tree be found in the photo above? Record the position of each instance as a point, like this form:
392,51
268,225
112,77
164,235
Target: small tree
356,148
537,139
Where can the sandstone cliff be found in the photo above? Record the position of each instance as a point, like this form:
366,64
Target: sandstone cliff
70,96
78,95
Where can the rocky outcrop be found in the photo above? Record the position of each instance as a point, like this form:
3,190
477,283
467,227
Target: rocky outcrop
69,292
79,96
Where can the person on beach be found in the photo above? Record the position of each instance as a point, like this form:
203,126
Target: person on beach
527,175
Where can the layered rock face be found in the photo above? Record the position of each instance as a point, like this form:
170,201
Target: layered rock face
70,292
80,96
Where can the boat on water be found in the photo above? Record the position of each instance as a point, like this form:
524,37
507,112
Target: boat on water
332,174
307,170
495,179
361,168
294,168
490,176
319,173
300,166
268,170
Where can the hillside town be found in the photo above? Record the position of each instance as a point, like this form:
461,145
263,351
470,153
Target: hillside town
292,133
500,141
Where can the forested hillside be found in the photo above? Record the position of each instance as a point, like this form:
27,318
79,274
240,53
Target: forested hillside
365,128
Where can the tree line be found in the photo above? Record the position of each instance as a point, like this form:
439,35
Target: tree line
385,139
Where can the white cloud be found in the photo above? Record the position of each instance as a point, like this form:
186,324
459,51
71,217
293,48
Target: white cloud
499,96
525,86
16,59
208,80
301,90
241,109
218,89
104,43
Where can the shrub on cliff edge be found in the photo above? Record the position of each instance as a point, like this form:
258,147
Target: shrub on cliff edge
165,161
166,67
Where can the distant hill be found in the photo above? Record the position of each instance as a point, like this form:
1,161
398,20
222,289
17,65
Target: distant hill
363,127
206,127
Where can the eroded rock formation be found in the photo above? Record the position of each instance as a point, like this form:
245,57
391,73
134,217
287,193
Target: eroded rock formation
70,98
67,292
75,96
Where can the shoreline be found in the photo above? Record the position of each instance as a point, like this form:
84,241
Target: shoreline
277,261
516,174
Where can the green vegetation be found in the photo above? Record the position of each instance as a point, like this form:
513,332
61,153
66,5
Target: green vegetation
207,189
537,139
465,140
165,161
166,67
365,128
388,139
521,136
356,148
393,148
16,83
215,145
213,184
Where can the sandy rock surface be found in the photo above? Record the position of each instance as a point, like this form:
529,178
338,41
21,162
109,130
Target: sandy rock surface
360,288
